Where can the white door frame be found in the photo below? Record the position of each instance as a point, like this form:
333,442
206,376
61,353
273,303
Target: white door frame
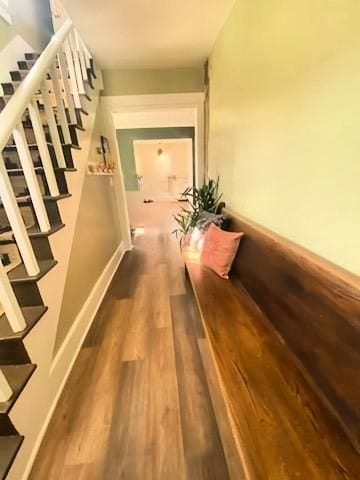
151,111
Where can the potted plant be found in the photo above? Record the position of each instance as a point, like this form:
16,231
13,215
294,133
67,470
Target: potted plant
199,200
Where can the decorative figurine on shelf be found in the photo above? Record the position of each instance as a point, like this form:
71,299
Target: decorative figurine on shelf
107,165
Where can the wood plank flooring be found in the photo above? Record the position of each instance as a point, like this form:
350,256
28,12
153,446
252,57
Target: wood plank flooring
143,401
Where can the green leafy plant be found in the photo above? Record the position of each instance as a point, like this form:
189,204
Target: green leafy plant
203,199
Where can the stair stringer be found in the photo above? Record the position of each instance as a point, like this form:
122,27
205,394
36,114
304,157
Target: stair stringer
34,407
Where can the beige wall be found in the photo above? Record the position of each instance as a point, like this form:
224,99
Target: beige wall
157,171
30,20
148,81
284,121
97,236
30,30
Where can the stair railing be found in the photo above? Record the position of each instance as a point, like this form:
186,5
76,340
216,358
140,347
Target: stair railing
59,74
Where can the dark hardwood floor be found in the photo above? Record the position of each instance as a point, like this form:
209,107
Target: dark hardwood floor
143,401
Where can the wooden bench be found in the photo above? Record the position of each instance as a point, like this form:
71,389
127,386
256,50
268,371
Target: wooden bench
285,338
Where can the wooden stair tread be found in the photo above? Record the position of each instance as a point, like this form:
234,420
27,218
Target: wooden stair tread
61,196
33,232
283,429
25,200
17,377
20,171
31,314
28,124
19,274
34,146
9,446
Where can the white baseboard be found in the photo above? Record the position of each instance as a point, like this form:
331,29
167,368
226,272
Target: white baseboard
88,311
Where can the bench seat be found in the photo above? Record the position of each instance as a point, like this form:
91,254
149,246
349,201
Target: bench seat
282,429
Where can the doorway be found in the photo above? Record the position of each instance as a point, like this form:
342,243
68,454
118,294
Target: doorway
157,166
164,168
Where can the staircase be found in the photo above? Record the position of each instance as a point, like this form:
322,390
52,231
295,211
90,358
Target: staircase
42,115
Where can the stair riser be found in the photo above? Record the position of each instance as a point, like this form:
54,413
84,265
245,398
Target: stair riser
6,425
32,55
25,64
18,75
12,161
28,294
19,184
31,139
12,352
79,123
90,78
69,162
11,154
29,215
53,213
79,117
92,69
20,187
30,136
41,246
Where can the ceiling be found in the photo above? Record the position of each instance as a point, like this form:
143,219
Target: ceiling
149,33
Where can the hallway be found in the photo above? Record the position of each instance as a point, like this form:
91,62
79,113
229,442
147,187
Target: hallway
142,401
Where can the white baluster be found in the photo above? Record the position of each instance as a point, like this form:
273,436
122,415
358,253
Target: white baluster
9,303
86,53
43,148
60,106
72,74
17,223
30,177
79,78
54,133
81,55
66,84
5,389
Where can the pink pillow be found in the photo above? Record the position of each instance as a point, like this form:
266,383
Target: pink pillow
219,249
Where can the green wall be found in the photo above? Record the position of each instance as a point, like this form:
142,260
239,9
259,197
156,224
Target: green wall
126,138
153,81
284,121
